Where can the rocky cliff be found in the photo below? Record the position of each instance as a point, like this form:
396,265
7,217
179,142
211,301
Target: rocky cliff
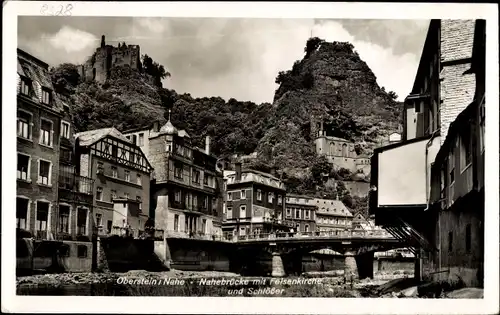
331,84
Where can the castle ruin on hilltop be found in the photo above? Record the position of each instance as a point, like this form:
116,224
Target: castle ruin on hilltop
98,66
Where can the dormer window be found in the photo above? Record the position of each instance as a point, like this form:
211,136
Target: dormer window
25,86
46,96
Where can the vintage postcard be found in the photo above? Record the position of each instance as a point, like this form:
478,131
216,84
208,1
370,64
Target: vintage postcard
292,158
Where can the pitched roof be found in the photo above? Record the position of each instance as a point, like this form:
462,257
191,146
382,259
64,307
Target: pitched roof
334,207
92,136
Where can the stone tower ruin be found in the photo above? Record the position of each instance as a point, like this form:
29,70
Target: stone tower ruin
98,66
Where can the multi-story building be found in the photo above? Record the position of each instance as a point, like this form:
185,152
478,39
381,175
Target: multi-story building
50,195
456,206
186,196
38,135
301,210
332,216
255,203
122,181
401,173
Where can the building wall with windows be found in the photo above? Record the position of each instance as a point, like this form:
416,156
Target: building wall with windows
38,133
187,189
255,203
457,188
301,210
332,215
122,179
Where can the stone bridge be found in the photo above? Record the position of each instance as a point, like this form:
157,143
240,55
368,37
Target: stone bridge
288,249
358,250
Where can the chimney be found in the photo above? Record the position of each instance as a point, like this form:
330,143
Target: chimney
237,168
156,126
103,41
207,145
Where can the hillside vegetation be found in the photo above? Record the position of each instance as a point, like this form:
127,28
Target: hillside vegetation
331,82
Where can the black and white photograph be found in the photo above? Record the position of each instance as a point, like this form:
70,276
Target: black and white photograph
274,154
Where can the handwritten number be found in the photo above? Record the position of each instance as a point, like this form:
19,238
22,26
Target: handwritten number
54,11
67,12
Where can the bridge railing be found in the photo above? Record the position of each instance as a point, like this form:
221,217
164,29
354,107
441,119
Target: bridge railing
230,237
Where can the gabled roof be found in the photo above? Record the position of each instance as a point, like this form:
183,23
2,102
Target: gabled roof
92,136
331,206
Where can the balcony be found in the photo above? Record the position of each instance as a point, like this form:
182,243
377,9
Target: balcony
76,188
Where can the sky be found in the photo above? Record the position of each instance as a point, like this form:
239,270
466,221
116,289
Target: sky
231,58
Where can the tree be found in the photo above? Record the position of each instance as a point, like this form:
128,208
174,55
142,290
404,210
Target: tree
154,69
393,95
320,167
312,44
65,78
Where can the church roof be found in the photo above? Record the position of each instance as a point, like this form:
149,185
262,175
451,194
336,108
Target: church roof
168,129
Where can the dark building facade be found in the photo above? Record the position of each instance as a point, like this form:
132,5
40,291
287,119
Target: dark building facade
186,196
456,212
255,203
121,173
50,195
301,210
404,179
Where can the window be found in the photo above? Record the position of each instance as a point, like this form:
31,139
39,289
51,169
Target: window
204,226
42,215
288,212
259,195
243,211
131,157
139,179
243,194
196,176
44,172
127,196
25,86
176,222
177,196
23,125
465,150
270,197
45,96
205,202
23,166
280,200
98,219
81,221
82,251
297,214
242,231
98,194
65,129
178,171
100,168
113,195
306,228
468,237
114,171
306,214
229,213
46,133
64,218
481,126
450,241
22,205
451,161
205,179
139,200
229,196
141,139
109,226
114,151
195,201
127,175
443,181
64,250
